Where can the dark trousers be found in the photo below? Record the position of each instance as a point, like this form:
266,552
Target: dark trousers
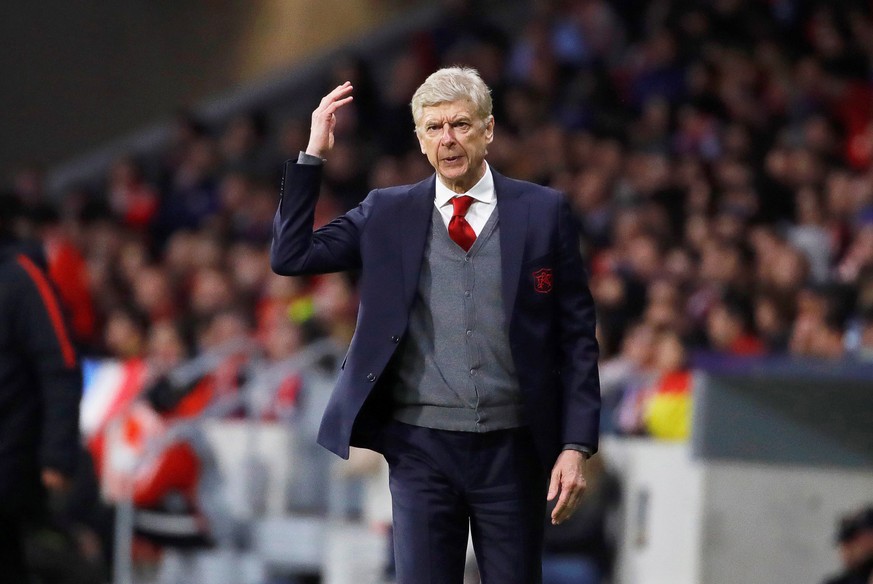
12,564
443,483
34,550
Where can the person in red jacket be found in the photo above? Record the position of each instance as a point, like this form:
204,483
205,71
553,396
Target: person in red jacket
40,389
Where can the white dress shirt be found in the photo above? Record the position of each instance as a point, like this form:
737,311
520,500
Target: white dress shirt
480,210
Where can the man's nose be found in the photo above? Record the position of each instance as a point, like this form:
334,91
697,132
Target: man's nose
448,134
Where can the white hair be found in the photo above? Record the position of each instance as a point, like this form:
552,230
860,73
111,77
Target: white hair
452,84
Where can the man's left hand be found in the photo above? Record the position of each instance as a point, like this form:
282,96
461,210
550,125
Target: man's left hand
54,480
568,479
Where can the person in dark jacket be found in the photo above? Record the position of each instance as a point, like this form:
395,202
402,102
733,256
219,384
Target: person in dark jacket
40,389
855,543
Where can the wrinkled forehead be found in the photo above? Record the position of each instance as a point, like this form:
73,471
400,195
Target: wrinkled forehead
449,110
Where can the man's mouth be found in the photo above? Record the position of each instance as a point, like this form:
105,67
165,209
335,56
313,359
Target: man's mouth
451,158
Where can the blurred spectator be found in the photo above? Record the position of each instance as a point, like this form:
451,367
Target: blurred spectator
729,327
242,145
818,327
68,271
667,406
360,118
293,135
153,292
855,542
335,304
192,195
211,292
772,321
40,389
28,186
185,130
344,174
395,135
235,195
864,349
167,348
278,400
249,267
131,199
632,364
126,333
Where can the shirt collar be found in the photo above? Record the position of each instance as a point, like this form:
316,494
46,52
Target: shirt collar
482,191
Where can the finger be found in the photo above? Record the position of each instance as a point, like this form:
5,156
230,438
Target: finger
338,104
325,112
571,495
568,509
338,92
563,501
576,491
564,515
559,512
570,506
554,484
339,89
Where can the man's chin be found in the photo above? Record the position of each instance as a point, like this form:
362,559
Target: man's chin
455,169
452,178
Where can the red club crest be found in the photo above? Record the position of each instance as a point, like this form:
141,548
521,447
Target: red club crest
543,280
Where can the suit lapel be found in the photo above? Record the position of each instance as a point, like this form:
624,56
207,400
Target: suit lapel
513,218
413,226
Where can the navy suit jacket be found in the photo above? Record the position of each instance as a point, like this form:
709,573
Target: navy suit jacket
545,294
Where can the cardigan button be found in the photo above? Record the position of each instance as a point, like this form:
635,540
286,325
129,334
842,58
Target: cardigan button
371,377
395,339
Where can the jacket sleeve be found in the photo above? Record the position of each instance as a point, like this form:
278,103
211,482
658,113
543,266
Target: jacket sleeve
579,350
44,337
295,248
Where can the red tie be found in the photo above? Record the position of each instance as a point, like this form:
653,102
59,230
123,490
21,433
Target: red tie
459,230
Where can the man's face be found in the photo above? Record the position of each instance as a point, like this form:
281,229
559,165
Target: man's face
455,141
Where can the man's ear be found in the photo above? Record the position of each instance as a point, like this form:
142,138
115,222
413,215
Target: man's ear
489,129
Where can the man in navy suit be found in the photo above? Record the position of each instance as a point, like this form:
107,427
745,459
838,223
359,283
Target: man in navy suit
473,368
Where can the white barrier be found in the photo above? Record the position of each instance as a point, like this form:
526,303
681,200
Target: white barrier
689,521
256,461
662,504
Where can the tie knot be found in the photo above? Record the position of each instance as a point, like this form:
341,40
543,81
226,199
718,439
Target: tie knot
461,205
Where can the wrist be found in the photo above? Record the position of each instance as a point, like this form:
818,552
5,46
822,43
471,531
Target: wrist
584,450
316,150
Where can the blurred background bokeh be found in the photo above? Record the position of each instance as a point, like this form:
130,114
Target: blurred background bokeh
718,155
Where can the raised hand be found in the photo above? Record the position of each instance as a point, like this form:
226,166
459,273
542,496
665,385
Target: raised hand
324,120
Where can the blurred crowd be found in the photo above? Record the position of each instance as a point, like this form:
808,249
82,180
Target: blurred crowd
717,154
